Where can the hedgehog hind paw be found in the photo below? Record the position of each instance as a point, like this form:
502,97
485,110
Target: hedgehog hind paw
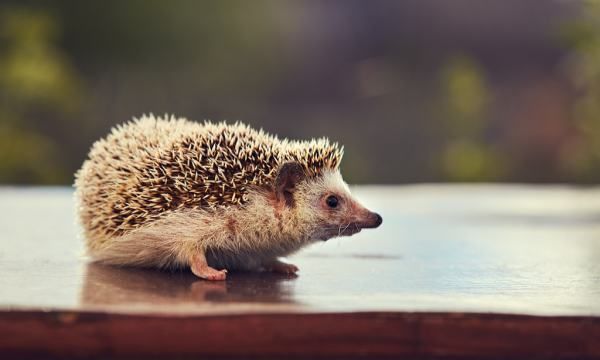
208,273
201,269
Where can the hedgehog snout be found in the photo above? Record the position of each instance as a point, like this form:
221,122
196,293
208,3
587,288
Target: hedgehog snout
365,218
373,221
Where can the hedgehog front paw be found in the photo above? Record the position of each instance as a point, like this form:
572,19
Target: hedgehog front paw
281,268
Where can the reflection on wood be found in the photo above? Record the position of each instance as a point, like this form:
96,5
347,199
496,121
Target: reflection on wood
108,285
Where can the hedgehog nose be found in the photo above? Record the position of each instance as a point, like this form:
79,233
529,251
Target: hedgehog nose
371,220
378,220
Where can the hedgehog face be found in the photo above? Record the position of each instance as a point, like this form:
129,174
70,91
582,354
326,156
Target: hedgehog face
326,209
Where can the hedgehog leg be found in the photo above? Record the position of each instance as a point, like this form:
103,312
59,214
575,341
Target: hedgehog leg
201,269
278,266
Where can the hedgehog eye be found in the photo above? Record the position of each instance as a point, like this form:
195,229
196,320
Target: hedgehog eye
332,201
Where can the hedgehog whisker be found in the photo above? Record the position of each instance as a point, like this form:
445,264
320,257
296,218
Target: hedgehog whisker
346,227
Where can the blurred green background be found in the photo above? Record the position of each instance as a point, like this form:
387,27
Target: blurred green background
416,90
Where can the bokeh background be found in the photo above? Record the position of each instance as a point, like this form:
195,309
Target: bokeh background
416,90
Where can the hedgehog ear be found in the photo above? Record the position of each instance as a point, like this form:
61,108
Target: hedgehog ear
290,174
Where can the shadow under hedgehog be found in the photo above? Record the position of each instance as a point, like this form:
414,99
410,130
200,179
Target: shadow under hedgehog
170,193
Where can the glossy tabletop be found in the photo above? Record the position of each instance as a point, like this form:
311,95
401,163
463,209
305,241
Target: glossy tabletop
531,250
441,249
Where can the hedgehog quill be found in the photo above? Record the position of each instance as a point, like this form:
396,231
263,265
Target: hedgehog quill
173,193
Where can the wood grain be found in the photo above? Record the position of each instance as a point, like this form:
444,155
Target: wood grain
338,335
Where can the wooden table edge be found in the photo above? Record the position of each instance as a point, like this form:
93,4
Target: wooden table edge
98,334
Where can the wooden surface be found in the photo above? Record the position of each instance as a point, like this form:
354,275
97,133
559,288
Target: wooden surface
454,271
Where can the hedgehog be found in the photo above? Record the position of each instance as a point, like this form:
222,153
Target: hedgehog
172,193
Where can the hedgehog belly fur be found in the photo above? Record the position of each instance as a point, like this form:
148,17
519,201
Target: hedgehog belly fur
234,238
